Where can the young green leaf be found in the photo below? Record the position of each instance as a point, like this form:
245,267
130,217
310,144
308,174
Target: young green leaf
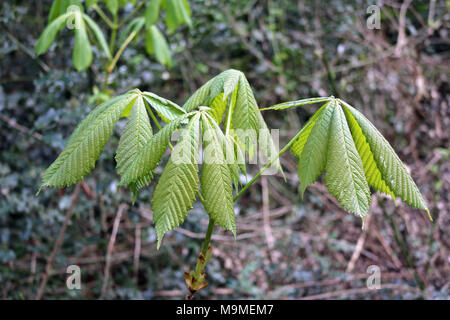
135,136
299,144
373,174
314,156
82,52
392,170
166,109
112,5
48,35
175,192
98,35
87,142
216,183
152,12
156,44
344,176
152,152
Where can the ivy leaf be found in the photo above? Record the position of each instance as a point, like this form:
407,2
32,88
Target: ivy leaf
344,176
86,143
175,192
135,136
216,180
393,172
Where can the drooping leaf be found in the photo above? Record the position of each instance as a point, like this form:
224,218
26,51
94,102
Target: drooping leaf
392,170
216,181
134,25
299,143
84,148
373,174
135,136
152,12
314,156
344,176
175,192
177,12
157,45
152,152
82,52
48,35
98,35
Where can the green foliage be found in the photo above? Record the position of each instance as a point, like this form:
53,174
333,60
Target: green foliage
216,179
89,138
178,185
354,154
240,107
70,13
82,53
337,139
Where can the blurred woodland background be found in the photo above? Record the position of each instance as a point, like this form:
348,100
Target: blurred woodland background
398,76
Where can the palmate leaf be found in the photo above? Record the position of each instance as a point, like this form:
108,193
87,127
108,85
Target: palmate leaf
242,117
82,53
390,168
354,155
216,178
176,189
86,143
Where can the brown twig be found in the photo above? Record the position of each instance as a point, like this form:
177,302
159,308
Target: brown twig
110,249
58,243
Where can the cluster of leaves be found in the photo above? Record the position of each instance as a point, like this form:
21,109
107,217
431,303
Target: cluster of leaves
139,151
71,13
337,139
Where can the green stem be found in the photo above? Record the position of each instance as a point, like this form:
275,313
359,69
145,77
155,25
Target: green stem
286,147
112,41
120,51
138,7
105,18
209,232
